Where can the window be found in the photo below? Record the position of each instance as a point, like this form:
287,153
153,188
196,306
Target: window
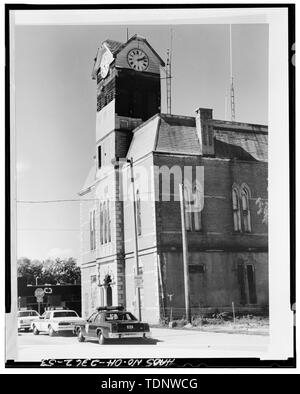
92,230
99,157
210,136
246,209
138,213
247,285
196,269
242,285
101,224
236,210
108,223
105,222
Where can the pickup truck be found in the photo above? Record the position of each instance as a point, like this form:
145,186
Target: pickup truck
56,321
111,323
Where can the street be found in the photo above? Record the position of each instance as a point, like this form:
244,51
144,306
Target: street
166,343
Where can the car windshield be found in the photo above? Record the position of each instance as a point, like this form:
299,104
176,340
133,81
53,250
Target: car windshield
65,314
127,316
27,313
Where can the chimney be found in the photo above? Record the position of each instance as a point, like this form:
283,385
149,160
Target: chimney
205,131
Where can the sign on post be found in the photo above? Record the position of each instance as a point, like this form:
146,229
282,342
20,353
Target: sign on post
138,281
39,295
39,292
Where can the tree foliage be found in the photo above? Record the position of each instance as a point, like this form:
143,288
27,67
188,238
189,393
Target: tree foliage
263,209
49,271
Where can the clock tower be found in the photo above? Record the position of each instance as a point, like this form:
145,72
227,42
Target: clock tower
128,93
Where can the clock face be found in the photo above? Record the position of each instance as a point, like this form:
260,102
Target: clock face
104,65
138,60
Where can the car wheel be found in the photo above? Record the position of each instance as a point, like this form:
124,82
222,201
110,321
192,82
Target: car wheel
35,331
51,332
101,339
80,336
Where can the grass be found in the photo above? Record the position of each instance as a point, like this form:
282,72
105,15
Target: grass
224,323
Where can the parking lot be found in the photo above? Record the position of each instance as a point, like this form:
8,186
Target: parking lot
171,343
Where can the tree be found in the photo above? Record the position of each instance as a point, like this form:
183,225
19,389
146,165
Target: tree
263,209
29,269
49,271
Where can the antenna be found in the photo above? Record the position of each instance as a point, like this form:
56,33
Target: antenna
169,75
127,33
232,101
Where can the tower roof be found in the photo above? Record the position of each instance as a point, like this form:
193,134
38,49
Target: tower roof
115,47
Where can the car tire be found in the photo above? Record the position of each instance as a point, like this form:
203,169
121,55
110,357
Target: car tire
35,331
51,332
101,339
80,336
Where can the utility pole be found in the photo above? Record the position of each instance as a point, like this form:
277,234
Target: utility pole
169,76
136,248
168,82
232,99
185,256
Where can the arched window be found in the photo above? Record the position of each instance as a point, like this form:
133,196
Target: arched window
105,222
138,213
108,223
245,195
236,210
101,223
92,230
188,208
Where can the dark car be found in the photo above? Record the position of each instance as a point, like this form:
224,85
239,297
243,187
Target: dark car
111,323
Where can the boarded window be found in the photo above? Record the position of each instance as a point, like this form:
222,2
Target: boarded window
196,268
241,282
251,284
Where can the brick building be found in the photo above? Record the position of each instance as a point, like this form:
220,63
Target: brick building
145,154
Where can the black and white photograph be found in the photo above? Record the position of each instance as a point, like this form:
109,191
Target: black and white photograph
150,175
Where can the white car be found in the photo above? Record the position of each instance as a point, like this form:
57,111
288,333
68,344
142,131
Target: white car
55,321
25,318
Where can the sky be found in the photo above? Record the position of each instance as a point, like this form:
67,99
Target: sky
56,109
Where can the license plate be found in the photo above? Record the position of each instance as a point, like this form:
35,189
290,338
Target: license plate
131,334
130,327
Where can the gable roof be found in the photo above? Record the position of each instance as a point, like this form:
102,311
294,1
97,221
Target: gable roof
115,47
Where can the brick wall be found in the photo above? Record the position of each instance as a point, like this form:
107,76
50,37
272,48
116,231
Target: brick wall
218,285
217,215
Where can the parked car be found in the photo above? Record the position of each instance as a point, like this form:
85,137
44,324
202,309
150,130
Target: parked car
111,323
25,318
55,321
